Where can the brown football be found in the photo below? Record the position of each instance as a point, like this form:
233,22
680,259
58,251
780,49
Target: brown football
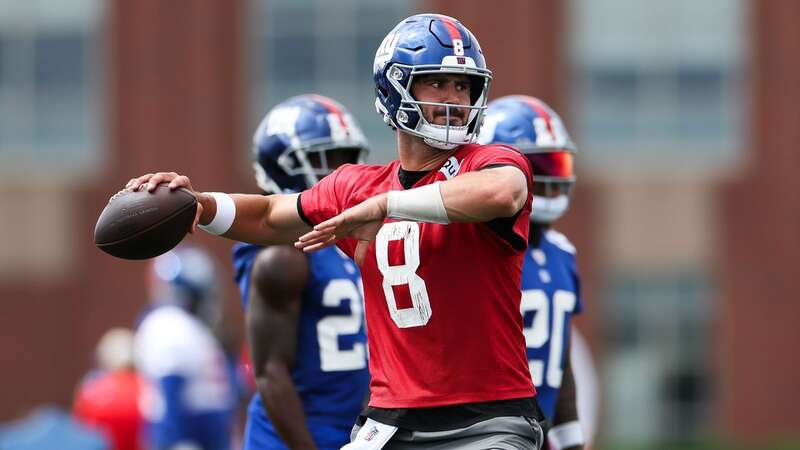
141,224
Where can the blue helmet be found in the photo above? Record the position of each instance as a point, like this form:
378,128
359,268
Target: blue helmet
426,44
186,277
292,145
530,125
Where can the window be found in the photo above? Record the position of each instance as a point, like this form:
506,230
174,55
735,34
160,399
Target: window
49,85
657,367
658,84
326,48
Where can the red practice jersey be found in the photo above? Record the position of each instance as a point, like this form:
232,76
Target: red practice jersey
442,301
110,402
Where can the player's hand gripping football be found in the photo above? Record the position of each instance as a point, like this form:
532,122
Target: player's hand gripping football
362,222
151,180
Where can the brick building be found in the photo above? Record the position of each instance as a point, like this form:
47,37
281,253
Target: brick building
698,244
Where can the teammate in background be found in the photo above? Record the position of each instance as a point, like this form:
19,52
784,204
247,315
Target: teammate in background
550,281
108,398
446,349
304,311
190,399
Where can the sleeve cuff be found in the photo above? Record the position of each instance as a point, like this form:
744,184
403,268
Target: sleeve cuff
302,213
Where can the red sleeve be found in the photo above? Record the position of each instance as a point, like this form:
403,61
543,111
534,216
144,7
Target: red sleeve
498,155
321,201
513,230
324,200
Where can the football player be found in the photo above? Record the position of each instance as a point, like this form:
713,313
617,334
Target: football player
440,236
108,398
190,400
550,282
304,311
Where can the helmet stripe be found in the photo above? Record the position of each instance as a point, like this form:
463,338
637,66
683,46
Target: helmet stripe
333,109
451,27
540,110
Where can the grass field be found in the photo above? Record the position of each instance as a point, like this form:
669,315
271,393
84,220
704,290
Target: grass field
776,444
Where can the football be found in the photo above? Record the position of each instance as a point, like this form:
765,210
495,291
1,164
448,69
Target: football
141,224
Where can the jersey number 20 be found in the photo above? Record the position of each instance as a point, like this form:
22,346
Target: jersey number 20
537,335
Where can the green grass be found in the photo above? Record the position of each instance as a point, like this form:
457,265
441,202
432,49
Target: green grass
772,444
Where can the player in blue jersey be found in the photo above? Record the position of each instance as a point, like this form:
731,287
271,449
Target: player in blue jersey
304,312
550,282
189,397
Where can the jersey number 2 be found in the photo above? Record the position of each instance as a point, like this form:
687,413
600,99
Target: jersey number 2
331,358
403,274
537,335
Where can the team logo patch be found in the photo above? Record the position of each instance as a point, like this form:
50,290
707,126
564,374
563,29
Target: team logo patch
386,50
371,434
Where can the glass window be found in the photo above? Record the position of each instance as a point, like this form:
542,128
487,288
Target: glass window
289,58
59,58
326,48
659,83
657,367
3,55
49,85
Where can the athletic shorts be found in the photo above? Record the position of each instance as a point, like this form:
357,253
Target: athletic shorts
501,433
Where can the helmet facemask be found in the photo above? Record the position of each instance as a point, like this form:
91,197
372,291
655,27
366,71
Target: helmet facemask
445,136
549,207
315,160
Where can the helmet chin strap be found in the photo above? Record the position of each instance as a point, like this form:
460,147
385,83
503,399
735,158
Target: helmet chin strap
439,145
443,137
547,210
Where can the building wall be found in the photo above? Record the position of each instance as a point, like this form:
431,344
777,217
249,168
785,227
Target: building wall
175,94
759,294
176,100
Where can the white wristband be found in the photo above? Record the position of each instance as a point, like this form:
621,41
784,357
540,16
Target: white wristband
422,204
223,219
565,435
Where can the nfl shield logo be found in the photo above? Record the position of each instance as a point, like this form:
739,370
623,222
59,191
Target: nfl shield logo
371,435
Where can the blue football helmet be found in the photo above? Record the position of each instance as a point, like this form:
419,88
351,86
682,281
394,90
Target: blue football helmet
531,126
303,139
429,44
186,277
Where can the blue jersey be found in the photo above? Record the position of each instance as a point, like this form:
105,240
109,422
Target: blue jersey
189,397
550,296
330,371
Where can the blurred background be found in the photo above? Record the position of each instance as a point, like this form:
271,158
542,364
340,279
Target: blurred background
685,218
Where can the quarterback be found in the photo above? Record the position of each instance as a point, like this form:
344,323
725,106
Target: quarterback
439,235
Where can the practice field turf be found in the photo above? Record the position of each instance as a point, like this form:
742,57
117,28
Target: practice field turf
775,444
